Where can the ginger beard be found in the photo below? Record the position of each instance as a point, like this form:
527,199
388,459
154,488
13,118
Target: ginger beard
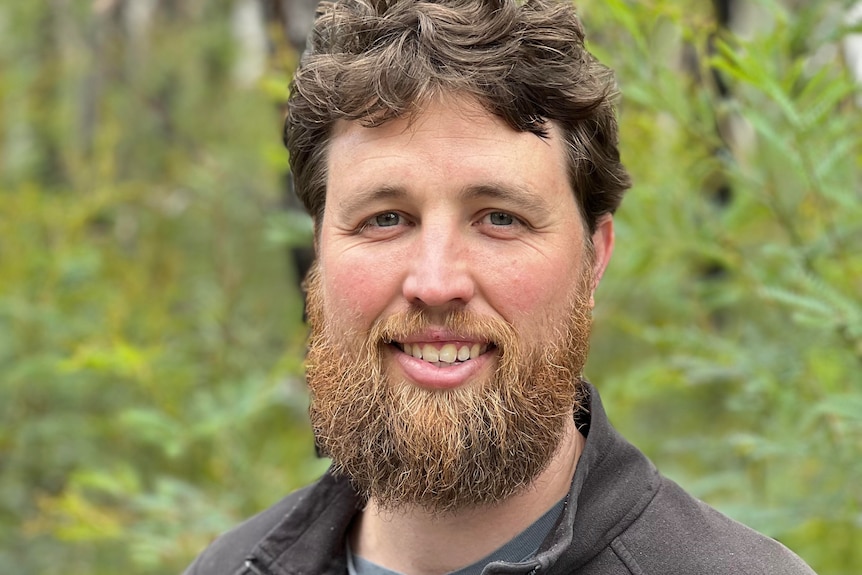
443,450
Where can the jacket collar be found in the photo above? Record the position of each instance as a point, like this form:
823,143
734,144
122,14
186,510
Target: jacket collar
612,485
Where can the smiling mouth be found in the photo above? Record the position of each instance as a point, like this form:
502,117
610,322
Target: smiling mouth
444,355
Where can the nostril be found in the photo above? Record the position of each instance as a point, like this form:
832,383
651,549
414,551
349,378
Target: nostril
441,289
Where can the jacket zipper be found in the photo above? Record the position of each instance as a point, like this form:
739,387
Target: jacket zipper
252,567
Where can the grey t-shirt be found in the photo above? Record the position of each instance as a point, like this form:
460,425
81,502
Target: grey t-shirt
520,548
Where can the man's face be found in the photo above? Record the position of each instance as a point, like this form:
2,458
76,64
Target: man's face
449,306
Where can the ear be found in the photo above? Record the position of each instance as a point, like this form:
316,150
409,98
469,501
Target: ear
603,247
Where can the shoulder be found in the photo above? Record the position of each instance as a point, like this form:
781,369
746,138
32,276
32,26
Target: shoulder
677,533
229,551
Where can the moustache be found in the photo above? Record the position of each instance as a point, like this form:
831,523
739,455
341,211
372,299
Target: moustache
461,324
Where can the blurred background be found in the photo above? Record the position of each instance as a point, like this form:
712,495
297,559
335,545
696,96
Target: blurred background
151,335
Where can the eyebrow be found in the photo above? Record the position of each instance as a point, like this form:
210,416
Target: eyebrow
359,199
521,198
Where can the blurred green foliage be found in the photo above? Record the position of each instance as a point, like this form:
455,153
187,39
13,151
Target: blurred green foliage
729,327
150,329
150,326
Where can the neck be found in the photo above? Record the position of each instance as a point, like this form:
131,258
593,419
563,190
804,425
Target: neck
413,541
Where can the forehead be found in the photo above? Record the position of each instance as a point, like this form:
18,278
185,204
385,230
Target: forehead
474,114
457,138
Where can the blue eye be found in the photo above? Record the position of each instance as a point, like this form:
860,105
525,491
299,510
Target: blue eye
501,219
386,219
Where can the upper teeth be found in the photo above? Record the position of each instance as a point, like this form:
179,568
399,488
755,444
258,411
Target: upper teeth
449,353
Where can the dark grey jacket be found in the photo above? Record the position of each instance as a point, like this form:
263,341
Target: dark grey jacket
621,518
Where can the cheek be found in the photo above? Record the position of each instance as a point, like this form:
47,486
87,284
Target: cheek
532,291
357,291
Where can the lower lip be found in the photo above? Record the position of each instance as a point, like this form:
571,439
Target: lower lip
430,376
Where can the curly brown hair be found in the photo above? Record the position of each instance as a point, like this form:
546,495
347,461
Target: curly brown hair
375,60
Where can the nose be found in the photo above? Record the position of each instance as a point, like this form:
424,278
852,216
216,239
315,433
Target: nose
439,274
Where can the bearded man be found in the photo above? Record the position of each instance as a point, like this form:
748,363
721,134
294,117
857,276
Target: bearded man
459,159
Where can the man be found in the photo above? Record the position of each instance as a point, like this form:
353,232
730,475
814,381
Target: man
459,159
